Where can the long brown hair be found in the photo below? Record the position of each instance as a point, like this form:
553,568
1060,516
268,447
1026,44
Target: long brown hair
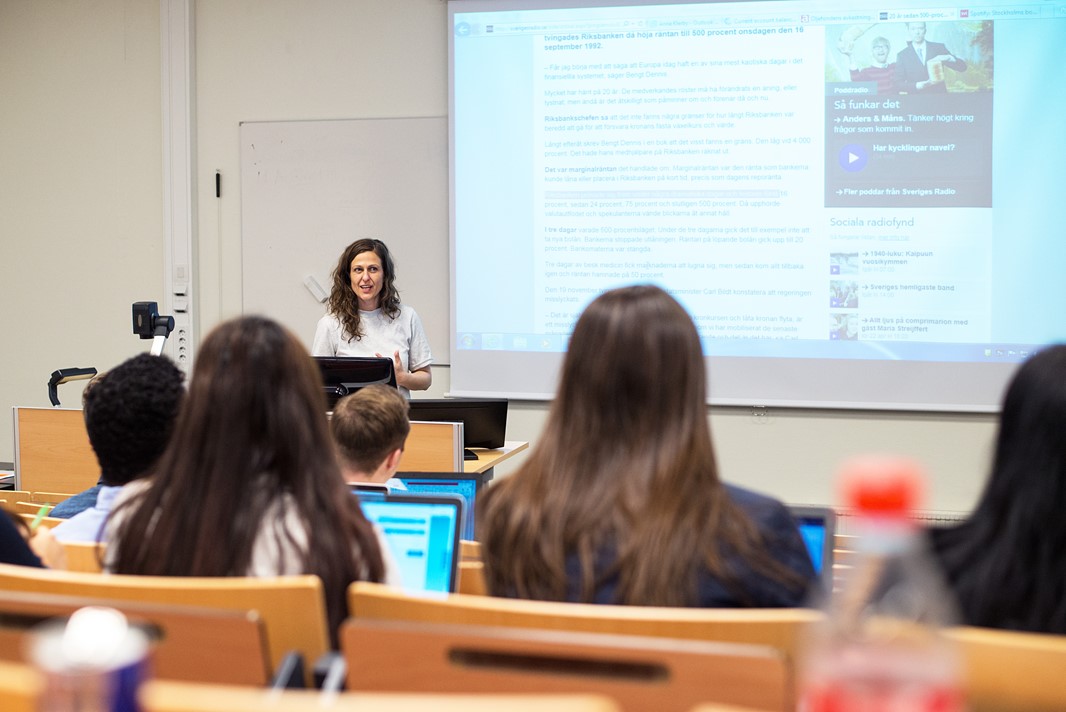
344,303
625,464
252,431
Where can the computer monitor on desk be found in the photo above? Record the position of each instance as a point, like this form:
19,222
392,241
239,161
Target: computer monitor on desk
344,375
484,419
463,484
817,526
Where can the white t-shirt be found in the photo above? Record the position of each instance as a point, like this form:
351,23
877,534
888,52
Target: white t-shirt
381,335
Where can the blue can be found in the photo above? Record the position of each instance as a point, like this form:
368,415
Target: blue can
92,662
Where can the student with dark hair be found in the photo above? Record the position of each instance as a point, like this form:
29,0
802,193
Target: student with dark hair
129,415
370,428
620,501
14,549
365,316
19,547
249,484
1007,561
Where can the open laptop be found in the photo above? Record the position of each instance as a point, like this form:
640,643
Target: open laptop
422,532
817,526
466,485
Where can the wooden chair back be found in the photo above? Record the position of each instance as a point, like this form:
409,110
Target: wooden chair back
641,674
1007,670
31,508
472,578
159,696
49,522
50,497
196,644
21,685
778,628
844,557
12,496
292,608
469,550
84,556
52,451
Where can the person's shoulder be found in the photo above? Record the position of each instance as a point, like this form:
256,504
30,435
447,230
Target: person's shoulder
76,504
329,320
750,498
762,508
129,491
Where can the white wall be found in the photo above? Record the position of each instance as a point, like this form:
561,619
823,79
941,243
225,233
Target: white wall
80,190
311,59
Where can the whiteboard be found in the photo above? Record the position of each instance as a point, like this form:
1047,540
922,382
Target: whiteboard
309,188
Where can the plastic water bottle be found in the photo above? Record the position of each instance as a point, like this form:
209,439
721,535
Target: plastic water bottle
880,647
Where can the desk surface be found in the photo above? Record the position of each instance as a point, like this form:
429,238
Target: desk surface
487,459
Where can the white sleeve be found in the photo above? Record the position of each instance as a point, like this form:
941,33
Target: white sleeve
419,356
325,344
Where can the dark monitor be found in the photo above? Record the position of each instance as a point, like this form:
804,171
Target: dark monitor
484,419
344,375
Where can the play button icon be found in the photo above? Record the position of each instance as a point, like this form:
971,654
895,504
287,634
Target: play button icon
853,158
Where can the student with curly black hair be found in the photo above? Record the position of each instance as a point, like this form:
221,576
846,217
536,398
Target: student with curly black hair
129,415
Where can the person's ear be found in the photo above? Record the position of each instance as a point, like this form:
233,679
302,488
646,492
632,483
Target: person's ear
392,462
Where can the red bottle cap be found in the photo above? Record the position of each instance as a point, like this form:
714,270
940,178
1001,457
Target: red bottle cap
885,486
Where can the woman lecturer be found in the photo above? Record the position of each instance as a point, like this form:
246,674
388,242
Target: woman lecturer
366,318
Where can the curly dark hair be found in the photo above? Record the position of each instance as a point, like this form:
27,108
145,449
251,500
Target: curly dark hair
130,413
344,303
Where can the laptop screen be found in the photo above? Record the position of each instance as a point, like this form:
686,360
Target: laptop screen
422,532
817,526
463,485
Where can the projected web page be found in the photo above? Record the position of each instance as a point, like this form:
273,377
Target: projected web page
852,183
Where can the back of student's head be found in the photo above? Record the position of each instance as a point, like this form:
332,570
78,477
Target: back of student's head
1030,456
1028,474
369,425
1005,562
129,415
625,462
251,450
633,377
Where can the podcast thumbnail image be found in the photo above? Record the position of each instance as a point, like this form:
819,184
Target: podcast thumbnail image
843,263
844,326
843,294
